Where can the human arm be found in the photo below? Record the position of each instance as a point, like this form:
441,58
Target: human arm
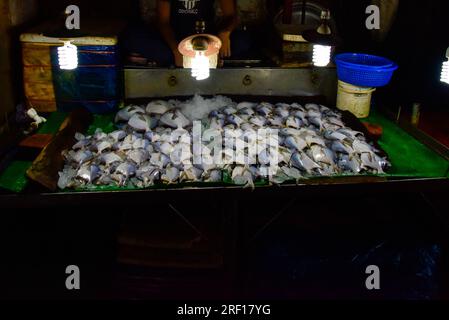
166,31
227,26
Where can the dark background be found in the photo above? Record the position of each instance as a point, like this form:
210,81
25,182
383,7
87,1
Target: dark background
417,41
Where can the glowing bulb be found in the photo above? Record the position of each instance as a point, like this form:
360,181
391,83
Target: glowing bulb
200,66
445,72
321,55
68,56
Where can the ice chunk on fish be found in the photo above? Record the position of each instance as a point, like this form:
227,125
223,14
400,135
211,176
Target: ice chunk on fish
158,107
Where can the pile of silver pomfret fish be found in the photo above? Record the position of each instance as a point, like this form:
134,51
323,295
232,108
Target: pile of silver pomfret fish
313,141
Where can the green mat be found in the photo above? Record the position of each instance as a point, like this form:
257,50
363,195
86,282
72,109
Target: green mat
104,122
53,123
14,177
409,157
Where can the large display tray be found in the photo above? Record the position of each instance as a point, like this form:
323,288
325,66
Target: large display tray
414,164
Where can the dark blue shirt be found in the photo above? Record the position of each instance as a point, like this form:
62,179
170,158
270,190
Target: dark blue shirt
185,13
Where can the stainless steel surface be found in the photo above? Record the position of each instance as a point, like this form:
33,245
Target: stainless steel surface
307,82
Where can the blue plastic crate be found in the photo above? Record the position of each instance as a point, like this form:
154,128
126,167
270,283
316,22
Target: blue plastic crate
95,84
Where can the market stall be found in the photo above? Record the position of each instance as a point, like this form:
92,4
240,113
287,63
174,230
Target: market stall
96,132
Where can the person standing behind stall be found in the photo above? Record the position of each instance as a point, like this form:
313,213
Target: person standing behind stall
176,20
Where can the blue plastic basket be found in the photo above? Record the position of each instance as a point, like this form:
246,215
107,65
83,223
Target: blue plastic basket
364,70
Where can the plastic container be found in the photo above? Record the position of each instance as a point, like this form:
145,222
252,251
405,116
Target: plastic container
354,99
364,70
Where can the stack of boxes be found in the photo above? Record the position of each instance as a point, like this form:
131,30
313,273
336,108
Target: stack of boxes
95,84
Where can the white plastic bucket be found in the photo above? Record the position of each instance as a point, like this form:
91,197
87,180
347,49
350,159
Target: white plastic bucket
356,100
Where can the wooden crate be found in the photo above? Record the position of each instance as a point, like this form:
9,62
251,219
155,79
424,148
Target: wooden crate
38,77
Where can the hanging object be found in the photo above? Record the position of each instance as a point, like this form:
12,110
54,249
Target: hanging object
323,41
200,52
321,55
68,56
445,69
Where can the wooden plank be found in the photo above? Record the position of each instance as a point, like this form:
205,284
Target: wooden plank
40,91
38,74
38,77
37,141
36,55
50,161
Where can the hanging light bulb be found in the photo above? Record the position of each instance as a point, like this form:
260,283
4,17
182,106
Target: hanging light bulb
200,66
68,56
445,69
321,55
200,54
323,40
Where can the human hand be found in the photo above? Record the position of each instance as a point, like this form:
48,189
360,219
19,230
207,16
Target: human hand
225,51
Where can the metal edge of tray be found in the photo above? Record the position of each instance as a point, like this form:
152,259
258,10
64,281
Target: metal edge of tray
150,83
141,197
